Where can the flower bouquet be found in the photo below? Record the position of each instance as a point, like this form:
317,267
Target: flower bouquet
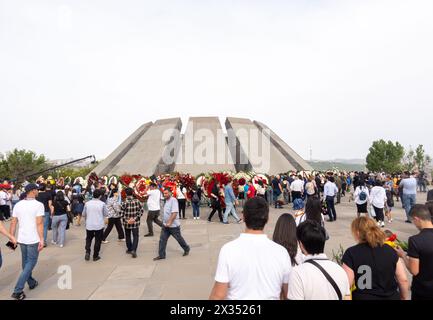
393,241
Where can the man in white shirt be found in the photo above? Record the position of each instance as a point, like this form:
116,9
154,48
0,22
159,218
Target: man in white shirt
29,215
95,211
318,278
154,206
330,191
252,267
409,186
297,187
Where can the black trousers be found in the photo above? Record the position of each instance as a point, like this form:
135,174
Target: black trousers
216,206
182,207
132,244
379,214
119,227
330,203
152,216
98,235
5,212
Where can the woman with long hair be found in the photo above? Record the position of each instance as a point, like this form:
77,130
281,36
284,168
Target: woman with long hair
59,214
373,266
285,235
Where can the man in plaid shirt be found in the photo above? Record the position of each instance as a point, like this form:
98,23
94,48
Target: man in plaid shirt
131,212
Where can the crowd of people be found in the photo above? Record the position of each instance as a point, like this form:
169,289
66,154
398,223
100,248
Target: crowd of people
291,266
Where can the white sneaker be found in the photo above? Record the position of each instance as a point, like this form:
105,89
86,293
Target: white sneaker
105,242
53,242
122,240
382,224
61,246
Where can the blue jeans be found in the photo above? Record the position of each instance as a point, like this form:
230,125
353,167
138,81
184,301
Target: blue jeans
165,234
59,228
29,256
47,219
409,200
195,209
230,208
275,197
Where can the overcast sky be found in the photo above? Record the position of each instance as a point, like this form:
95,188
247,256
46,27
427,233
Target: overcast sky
78,77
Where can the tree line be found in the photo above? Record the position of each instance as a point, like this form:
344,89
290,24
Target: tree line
391,157
17,165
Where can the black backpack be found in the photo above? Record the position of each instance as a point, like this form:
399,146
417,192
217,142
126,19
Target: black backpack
195,198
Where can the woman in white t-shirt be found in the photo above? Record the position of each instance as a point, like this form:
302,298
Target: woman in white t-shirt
361,196
181,198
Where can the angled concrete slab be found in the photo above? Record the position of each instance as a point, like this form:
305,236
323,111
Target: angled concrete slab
295,159
151,152
253,145
106,166
204,148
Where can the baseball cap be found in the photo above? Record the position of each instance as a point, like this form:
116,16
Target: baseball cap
31,187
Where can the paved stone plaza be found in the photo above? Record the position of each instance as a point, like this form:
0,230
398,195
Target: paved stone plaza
118,276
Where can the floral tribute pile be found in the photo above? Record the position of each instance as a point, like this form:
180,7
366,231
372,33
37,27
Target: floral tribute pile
140,184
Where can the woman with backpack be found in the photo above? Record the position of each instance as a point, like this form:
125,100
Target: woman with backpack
59,213
361,196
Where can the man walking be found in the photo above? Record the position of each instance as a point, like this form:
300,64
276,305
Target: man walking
29,214
409,188
154,206
231,203
95,211
171,226
330,190
131,211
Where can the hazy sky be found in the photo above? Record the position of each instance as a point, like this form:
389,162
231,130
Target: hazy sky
78,77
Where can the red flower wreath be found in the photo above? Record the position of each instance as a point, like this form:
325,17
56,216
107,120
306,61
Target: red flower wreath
126,180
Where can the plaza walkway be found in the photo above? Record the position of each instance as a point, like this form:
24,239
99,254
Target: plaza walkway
118,276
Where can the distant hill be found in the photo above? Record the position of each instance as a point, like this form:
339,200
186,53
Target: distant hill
345,165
